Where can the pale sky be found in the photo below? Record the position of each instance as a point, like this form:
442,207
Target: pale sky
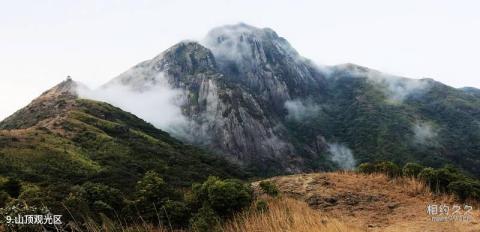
41,42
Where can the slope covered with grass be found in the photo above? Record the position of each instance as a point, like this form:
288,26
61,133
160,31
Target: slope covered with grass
59,143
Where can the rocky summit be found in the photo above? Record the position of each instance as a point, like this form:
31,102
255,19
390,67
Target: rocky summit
237,83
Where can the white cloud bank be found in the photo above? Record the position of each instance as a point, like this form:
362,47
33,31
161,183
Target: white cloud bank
395,88
424,133
156,103
299,110
342,156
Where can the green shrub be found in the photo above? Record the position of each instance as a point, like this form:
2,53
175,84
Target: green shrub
32,195
153,196
12,187
366,168
445,176
269,188
205,220
462,189
388,168
225,197
176,213
101,192
412,169
98,198
443,180
102,207
261,205
152,189
429,176
78,207
451,180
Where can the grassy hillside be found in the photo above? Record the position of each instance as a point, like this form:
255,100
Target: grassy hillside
97,142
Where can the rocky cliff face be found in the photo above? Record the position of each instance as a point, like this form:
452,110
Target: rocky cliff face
235,87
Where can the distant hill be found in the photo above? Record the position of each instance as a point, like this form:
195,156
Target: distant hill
473,91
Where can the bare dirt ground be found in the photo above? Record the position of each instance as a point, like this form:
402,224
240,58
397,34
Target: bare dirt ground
375,202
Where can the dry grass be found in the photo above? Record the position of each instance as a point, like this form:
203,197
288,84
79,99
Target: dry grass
285,214
373,202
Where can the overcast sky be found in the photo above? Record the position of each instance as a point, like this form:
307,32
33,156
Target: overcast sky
41,42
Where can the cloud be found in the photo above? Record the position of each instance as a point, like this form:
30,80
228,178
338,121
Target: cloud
246,46
299,110
230,43
424,133
398,89
395,88
342,156
155,102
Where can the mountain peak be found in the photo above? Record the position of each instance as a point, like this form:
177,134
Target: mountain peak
247,46
240,31
190,54
65,89
186,57
50,104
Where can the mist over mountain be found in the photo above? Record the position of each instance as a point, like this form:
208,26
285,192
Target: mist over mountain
247,94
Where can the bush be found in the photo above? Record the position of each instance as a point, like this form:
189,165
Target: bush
152,189
96,198
32,195
12,187
176,213
205,220
439,179
77,205
153,197
269,188
388,168
429,176
451,180
225,197
445,176
463,190
261,206
366,168
443,180
412,169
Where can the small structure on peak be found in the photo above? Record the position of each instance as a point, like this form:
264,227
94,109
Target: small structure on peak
69,78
